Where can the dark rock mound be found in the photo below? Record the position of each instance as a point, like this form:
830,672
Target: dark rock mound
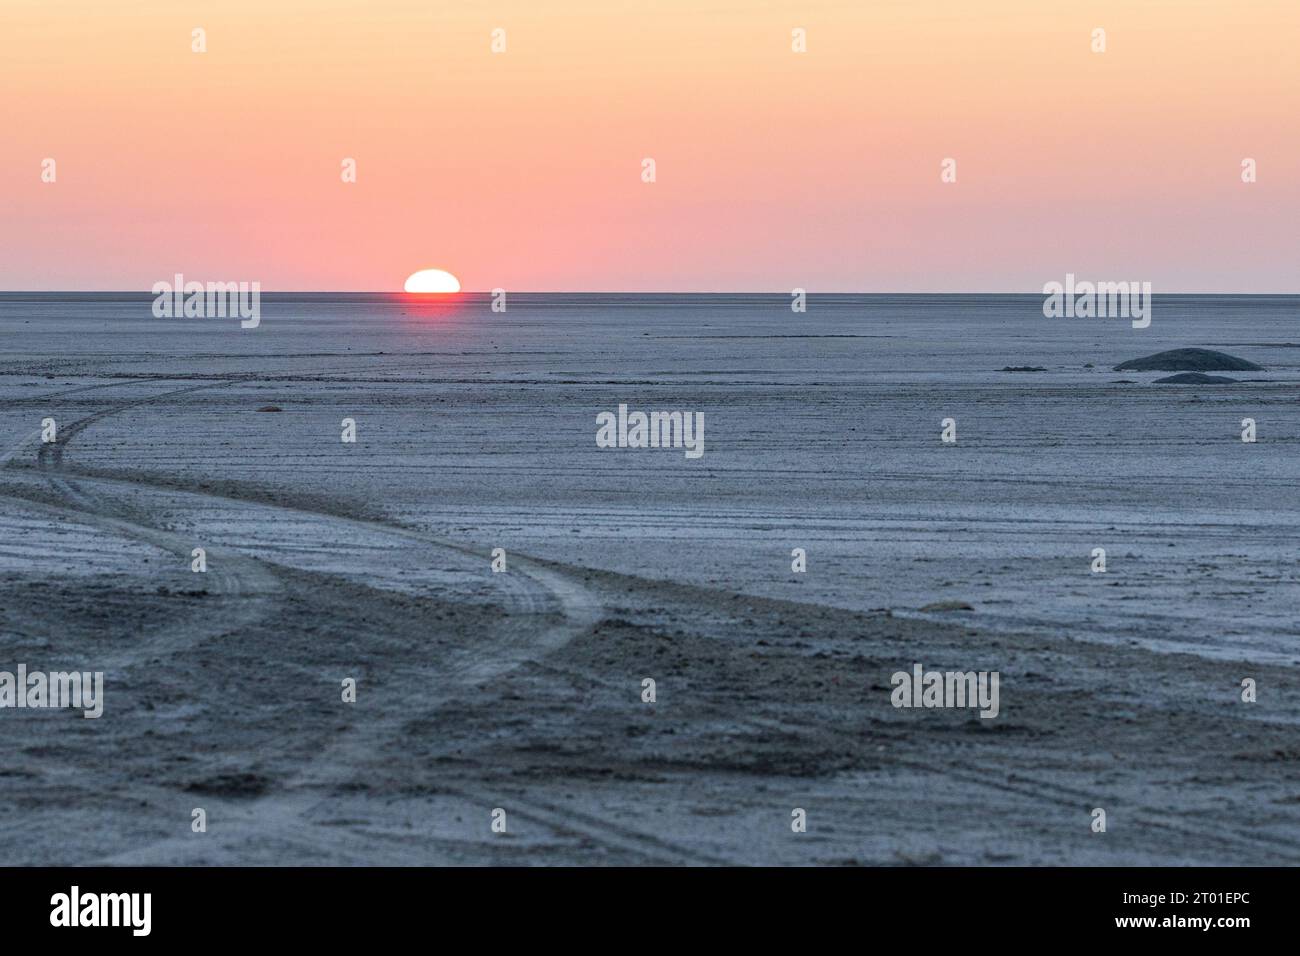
1188,360
1195,378
1023,368
270,408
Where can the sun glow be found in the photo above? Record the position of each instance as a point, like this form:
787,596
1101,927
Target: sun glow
432,280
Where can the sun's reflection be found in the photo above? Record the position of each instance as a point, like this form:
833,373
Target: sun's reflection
442,305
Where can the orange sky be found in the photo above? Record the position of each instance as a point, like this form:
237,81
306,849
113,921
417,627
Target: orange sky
774,169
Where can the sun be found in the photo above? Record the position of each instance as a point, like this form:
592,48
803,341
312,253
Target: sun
432,280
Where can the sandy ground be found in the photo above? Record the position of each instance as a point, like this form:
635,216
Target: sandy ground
522,690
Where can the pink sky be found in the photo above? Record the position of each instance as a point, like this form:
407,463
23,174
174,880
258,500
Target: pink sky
775,169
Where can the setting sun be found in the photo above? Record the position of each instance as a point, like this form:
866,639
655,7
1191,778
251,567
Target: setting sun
432,280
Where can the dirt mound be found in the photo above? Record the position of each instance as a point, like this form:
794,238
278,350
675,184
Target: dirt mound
1195,378
1188,360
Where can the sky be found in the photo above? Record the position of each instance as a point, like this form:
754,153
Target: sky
773,169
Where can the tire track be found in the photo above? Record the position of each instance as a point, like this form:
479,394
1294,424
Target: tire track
282,815
247,590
